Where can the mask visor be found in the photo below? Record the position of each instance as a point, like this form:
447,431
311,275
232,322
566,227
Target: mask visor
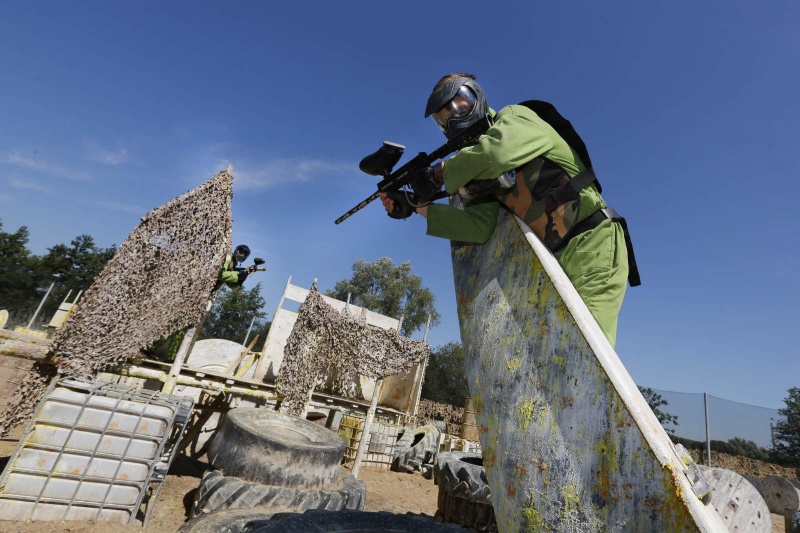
460,106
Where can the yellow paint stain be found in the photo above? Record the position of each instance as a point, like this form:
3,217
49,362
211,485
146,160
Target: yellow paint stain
477,401
558,360
526,413
532,520
514,364
571,500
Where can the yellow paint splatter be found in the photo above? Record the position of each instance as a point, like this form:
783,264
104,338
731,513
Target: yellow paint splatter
526,412
514,364
533,521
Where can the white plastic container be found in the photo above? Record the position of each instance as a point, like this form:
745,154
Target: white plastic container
91,451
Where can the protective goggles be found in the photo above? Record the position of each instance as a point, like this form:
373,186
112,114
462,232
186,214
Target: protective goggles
460,106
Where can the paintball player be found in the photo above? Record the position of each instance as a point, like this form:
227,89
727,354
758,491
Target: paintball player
523,163
232,274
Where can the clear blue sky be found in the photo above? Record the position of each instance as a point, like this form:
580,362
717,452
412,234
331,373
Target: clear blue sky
690,111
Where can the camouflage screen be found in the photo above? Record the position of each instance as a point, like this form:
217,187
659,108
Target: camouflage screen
323,340
160,280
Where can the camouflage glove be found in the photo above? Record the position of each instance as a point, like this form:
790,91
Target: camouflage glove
428,182
403,207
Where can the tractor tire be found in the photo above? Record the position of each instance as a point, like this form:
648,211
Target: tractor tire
353,522
218,492
267,447
414,448
229,520
463,476
477,516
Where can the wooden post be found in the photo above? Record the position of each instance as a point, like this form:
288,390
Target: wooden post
419,376
367,431
183,352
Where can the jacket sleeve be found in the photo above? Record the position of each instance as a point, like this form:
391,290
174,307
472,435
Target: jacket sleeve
475,223
517,136
228,274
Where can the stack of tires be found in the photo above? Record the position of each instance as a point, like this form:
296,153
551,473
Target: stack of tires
264,459
415,449
464,496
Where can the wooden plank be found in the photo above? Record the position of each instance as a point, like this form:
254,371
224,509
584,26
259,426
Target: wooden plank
569,443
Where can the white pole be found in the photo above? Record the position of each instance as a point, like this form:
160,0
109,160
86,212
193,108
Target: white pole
249,330
41,304
708,432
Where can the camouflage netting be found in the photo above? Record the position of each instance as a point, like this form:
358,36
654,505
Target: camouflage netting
160,280
323,339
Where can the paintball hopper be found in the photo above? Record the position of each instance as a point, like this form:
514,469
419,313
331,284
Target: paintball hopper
381,162
258,261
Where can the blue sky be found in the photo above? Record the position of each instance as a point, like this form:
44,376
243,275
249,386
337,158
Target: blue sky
689,109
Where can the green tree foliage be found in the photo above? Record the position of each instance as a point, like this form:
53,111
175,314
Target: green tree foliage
734,446
25,278
445,380
18,275
232,312
391,290
76,266
655,401
786,432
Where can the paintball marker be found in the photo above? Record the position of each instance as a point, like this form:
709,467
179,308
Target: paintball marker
381,162
255,267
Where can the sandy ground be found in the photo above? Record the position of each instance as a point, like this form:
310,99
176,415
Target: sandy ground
386,491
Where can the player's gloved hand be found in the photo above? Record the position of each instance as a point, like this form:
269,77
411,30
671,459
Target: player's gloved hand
403,207
242,276
428,182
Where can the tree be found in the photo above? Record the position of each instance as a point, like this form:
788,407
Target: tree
786,432
391,290
18,279
654,400
445,380
232,312
77,265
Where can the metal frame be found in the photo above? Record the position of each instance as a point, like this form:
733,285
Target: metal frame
157,466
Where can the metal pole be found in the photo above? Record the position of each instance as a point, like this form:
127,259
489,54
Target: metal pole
249,330
41,304
772,433
708,433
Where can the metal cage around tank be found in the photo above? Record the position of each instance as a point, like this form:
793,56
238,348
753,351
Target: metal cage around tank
91,452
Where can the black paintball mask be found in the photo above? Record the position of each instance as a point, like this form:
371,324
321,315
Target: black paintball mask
241,253
456,105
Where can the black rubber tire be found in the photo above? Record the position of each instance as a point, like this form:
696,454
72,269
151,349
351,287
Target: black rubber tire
218,492
414,448
229,520
463,475
354,522
478,516
271,448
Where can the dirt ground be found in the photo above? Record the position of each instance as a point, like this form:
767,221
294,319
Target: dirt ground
386,491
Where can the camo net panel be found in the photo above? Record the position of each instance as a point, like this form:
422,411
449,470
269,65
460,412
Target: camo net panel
160,280
323,340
